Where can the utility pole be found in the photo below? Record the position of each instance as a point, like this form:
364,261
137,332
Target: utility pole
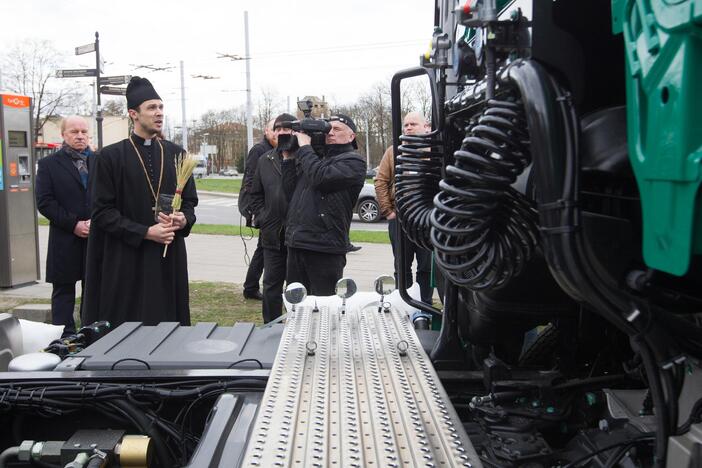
288,104
98,114
249,118
368,143
184,124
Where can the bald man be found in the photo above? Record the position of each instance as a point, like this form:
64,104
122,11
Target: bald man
413,124
62,197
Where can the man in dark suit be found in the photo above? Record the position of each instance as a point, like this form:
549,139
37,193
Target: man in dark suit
62,197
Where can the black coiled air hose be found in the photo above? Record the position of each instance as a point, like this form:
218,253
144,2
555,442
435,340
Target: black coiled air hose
484,231
417,176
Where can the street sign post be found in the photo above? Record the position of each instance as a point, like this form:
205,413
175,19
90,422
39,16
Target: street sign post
85,49
115,80
114,90
76,73
98,113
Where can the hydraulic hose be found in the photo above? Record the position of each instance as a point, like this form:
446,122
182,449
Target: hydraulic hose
7,454
417,175
483,230
142,422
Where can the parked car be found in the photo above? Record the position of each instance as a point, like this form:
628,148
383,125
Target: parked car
370,173
200,170
367,206
229,172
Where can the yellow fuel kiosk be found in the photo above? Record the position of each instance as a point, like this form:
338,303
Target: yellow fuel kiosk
19,240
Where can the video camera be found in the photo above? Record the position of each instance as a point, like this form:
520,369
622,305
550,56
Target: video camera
315,128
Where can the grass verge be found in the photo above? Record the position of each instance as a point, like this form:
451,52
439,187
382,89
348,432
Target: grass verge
222,303
373,237
219,185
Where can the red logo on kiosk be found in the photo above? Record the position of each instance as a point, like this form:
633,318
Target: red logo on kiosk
15,101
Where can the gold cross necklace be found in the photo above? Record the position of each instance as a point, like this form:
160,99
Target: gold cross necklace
156,193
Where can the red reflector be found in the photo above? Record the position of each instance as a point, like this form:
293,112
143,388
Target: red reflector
466,7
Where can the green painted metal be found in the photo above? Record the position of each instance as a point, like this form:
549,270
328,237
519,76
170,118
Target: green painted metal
663,43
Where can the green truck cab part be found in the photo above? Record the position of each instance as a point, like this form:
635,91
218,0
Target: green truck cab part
663,43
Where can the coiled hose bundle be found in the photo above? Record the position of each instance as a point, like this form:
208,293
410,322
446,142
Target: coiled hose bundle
483,230
417,176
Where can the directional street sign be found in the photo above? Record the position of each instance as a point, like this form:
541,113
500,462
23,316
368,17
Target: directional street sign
85,49
76,73
115,90
115,80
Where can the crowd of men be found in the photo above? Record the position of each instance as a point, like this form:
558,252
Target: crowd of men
112,226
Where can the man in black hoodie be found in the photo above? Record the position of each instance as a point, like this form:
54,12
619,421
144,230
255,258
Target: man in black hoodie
323,191
269,206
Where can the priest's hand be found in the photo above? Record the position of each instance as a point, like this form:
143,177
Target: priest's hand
178,220
161,233
82,229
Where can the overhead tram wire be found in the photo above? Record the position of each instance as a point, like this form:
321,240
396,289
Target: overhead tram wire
321,50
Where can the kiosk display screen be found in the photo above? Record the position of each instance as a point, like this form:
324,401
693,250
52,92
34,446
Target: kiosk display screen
16,139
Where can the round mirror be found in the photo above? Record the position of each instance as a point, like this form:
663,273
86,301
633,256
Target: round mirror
345,288
295,293
384,284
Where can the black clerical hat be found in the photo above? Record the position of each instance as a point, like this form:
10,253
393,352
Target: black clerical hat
139,90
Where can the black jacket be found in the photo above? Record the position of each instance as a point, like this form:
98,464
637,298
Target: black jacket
63,200
256,151
322,198
268,201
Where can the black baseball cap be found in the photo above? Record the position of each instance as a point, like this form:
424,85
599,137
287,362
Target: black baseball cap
345,119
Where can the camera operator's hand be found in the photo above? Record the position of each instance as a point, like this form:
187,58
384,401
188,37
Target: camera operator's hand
303,139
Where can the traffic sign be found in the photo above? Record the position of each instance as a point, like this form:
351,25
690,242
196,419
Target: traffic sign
76,73
115,90
115,80
85,49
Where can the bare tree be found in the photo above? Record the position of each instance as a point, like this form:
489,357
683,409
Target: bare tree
28,69
114,107
418,95
267,107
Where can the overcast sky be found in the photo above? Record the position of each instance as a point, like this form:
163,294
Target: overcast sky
338,49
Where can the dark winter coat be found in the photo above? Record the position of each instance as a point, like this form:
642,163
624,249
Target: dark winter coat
268,201
322,198
255,153
63,200
127,278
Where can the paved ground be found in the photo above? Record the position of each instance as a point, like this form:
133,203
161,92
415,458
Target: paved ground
221,258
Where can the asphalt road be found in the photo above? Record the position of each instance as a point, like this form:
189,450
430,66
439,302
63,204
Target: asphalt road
214,209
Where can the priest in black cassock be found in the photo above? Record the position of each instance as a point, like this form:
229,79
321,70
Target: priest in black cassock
132,183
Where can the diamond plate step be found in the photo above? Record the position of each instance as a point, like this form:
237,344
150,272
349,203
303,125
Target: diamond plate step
355,390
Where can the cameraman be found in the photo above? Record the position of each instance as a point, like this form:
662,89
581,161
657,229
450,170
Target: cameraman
323,191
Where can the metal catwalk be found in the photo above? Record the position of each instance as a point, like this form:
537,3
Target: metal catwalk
355,390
